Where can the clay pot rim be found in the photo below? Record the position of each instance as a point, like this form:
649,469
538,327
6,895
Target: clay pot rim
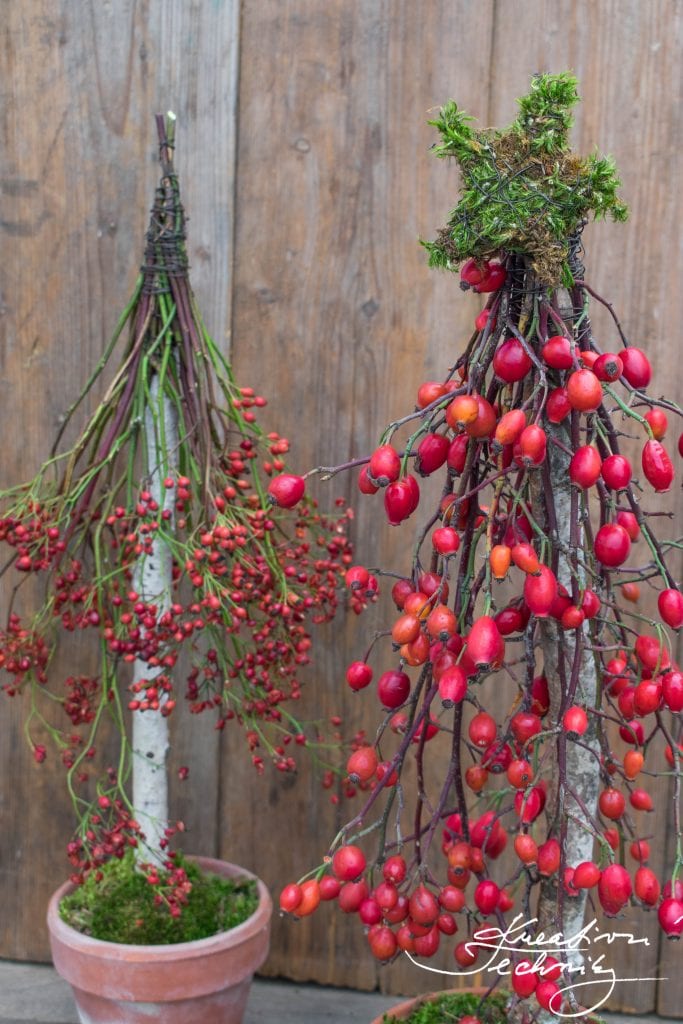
408,1005
86,944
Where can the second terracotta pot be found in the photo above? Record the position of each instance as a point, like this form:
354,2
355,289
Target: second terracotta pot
204,981
403,1010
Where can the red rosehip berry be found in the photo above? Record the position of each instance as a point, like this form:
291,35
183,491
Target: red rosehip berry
670,604
657,465
286,490
557,352
637,368
670,915
348,863
401,498
584,390
612,545
575,720
614,889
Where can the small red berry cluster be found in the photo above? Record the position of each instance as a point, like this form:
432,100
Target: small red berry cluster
171,469
108,832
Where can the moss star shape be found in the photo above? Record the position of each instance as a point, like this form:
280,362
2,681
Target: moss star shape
523,190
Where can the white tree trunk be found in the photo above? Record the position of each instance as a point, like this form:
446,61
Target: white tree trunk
152,580
581,768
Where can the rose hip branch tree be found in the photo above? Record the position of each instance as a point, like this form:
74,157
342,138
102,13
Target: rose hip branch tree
154,537
525,429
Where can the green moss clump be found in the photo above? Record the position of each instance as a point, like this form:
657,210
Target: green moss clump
451,1006
121,906
523,190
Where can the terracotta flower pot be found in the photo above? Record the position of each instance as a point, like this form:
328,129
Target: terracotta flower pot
403,1010
207,980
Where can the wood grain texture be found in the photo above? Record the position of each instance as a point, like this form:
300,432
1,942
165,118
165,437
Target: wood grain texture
335,185
80,83
331,309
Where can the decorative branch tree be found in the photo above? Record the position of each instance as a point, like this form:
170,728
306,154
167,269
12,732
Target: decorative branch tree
156,538
526,428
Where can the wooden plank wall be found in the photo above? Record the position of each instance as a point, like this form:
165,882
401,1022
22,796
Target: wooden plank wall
80,84
305,166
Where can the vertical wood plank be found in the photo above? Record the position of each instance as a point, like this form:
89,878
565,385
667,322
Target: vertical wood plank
335,185
79,85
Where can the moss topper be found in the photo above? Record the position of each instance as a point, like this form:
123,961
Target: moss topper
523,190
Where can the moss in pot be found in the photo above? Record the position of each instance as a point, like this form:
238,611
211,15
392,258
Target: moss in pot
120,906
453,1007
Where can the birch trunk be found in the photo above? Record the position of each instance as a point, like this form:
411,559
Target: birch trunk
572,679
152,580
577,762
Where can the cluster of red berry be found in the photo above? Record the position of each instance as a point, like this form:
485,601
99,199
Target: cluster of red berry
526,420
110,830
249,579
